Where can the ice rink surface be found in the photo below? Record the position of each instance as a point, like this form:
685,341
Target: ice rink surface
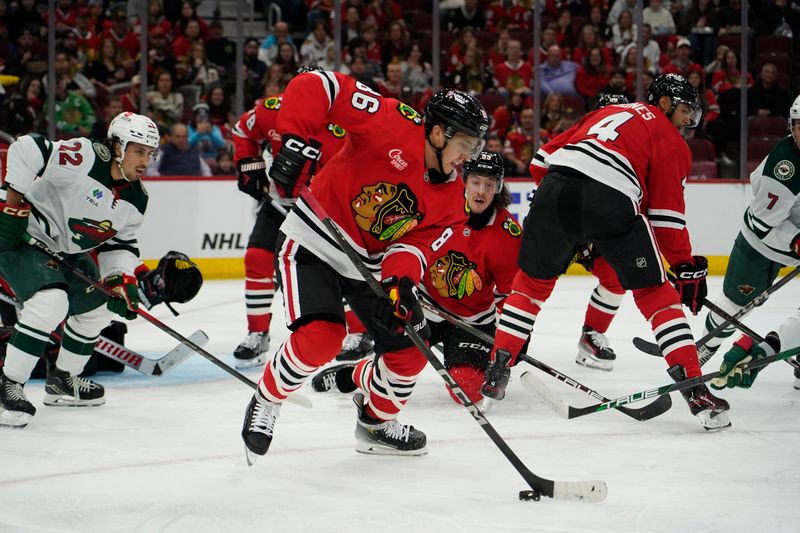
165,454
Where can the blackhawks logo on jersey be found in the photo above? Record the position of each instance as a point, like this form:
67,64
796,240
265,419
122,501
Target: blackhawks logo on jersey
385,210
88,233
455,276
511,226
409,113
273,102
336,130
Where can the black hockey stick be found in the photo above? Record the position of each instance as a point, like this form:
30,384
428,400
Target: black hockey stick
658,407
592,491
574,412
300,400
652,348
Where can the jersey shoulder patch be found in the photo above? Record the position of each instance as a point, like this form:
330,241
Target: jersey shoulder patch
273,102
512,227
409,113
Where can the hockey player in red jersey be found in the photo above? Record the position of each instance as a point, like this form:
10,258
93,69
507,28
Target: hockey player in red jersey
394,193
615,180
594,350
255,127
468,277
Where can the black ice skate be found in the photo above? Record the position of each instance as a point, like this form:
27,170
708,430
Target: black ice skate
594,350
64,390
259,425
797,374
15,409
252,351
339,377
356,346
497,376
710,410
380,437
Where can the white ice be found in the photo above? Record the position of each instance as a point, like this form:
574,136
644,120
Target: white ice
165,454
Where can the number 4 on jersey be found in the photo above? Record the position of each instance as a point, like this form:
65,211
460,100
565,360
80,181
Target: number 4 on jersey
606,129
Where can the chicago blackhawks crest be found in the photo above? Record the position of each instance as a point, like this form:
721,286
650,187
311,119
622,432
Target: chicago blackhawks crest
88,233
453,275
511,226
386,210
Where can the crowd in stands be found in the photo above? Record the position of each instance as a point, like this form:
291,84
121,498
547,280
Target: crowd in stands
588,47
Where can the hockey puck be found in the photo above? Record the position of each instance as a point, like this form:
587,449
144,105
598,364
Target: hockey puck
529,495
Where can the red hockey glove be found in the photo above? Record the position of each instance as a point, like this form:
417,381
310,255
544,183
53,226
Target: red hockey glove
252,174
295,158
13,223
126,301
401,307
690,282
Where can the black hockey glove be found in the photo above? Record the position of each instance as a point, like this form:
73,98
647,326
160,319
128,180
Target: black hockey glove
584,256
690,282
401,307
176,279
252,173
295,157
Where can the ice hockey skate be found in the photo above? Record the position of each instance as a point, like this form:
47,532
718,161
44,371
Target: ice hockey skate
379,437
252,351
65,390
797,375
710,410
259,425
594,351
15,409
356,346
339,377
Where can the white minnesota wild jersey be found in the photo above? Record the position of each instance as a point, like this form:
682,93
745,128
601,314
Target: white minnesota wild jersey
75,203
772,221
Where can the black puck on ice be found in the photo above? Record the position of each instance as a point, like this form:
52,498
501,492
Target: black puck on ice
528,495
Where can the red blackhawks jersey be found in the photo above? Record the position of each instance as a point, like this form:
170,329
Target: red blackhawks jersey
635,149
260,124
474,269
376,188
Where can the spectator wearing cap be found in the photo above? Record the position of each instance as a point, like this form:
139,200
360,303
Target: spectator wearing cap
660,19
166,104
121,33
358,48
469,14
205,137
514,72
681,63
558,75
220,50
315,48
268,50
178,158
766,98
159,54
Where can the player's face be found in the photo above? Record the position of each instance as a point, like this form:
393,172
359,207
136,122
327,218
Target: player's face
682,117
137,157
459,148
480,192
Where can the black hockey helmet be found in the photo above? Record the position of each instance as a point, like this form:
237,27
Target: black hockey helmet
604,99
486,164
309,68
456,111
680,90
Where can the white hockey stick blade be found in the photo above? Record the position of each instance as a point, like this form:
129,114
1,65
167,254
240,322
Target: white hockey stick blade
298,399
535,385
179,354
580,491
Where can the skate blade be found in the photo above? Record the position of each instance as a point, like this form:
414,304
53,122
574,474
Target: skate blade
712,422
250,456
371,448
486,404
55,400
589,362
797,384
13,419
242,364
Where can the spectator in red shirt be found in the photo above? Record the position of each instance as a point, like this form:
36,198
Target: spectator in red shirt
588,40
189,13
497,53
130,100
730,77
466,42
681,63
592,75
381,12
182,46
156,19
514,72
87,39
506,116
519,141
120,32
708,102
507,14
548,40
565,32
369,34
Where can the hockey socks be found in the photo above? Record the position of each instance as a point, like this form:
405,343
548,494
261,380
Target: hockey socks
259,287
602,308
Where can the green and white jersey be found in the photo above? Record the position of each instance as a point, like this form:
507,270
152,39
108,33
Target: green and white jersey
75,203
772,221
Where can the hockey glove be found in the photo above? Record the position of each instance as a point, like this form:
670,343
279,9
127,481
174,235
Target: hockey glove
125,303
497,376
690,282
252,173
13,223
584,256
401,307
744,350
295,158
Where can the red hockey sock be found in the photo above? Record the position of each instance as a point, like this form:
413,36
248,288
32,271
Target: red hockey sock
519,312
259,287
469,379
389,381
602,308
354,325
307,349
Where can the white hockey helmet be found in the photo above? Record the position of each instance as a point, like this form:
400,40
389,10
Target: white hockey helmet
130,127
794,115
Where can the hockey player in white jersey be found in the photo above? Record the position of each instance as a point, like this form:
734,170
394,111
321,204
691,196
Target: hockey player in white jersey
770,235
74,196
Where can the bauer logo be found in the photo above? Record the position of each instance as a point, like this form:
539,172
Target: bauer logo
396,158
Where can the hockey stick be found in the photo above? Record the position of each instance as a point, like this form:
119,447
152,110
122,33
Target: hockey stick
652,348
574,412
126,356
300,400
658,407
592,491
